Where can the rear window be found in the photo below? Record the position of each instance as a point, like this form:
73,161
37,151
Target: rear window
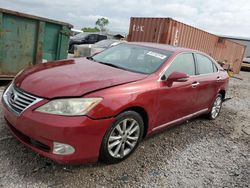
204,64
215,68
80,36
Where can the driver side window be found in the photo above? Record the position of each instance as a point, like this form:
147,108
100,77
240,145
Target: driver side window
182,63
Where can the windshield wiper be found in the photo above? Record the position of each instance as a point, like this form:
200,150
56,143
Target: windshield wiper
112,65
108,64
90,58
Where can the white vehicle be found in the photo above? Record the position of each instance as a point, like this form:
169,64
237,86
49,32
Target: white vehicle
86,50
76,31
246,59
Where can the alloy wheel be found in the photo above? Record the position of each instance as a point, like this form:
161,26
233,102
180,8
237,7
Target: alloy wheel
216,107
123,138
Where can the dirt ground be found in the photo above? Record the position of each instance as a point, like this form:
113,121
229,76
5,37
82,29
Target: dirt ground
199,153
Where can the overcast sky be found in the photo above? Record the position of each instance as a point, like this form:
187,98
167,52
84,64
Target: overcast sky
228,17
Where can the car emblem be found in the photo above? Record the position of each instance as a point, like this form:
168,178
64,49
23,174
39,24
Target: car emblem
15,96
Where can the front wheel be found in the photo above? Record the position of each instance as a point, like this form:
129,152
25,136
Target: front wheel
122,138
215,111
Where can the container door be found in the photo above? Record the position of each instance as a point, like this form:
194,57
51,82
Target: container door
56,42
63,43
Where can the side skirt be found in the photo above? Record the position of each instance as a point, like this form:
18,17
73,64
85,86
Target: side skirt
181,119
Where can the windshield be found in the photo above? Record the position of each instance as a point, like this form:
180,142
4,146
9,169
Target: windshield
133,58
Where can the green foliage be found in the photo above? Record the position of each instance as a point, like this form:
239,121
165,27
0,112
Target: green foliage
102,23
91,29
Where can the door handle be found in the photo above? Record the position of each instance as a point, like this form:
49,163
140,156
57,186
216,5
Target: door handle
195,84
218,78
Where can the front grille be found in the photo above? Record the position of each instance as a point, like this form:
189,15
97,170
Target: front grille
17,100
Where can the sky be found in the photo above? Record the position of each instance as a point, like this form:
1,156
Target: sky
221,17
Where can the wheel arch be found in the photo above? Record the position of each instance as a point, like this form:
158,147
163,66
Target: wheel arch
143,113
223,93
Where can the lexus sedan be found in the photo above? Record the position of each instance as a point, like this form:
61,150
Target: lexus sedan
101,107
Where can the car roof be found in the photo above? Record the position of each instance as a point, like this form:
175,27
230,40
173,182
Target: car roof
164,47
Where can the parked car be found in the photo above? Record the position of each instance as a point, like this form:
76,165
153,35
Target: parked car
75,31
246,64
101,107
84,38
86,50
246,59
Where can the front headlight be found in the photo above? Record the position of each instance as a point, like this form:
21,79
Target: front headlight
69,107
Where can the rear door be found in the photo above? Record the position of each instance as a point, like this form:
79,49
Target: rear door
179,100
208,81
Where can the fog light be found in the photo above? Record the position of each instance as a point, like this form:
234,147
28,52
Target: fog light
62,149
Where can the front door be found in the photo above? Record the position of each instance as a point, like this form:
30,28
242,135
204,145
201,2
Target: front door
179,100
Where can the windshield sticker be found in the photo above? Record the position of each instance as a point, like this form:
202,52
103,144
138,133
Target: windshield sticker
157,55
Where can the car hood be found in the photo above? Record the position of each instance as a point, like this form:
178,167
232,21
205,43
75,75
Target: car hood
73,77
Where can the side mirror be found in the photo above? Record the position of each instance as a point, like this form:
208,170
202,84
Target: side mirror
175,77
178,77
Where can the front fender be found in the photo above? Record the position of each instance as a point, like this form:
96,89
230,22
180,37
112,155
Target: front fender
118,99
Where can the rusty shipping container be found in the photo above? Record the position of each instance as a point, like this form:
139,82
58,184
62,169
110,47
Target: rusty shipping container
172,32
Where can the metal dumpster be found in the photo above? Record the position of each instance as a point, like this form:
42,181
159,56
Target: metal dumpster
26,40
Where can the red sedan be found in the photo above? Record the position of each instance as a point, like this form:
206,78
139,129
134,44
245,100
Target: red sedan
101,107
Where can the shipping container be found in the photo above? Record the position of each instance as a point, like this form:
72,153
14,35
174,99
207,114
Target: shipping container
26,40
172,32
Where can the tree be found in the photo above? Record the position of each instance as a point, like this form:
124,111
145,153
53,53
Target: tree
91,29
102,23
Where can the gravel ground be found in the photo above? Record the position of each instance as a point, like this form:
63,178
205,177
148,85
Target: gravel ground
199,153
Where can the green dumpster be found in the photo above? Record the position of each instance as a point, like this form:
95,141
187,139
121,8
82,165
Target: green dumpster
27,40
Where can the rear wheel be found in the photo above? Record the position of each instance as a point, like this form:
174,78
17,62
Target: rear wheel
71,49
122,138
215,111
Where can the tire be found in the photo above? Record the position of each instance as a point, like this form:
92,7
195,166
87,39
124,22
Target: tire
71,49
121,141
216,108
